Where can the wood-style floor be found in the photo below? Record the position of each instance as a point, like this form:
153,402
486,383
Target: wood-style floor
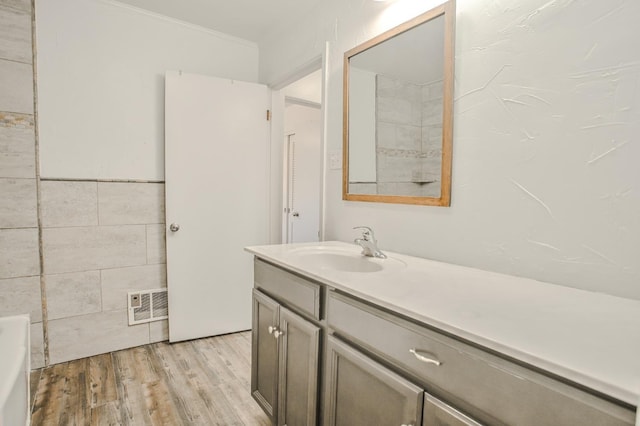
199,382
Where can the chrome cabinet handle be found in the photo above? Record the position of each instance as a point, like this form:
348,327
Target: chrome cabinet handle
419,355
174,227
274,331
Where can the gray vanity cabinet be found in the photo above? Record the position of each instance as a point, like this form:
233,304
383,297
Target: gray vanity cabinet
297,370
491,389
264,353
285,349
362,392
437,413
382,368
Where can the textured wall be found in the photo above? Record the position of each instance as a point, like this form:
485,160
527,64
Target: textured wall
546,124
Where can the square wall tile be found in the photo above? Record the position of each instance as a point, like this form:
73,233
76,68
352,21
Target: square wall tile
16,86
408,137
158,331
116,283
17,146
21,296
19,253
24,5
387,188
363,188
156,244
431,190
121,203
73,294
15,35
93,334
37,346
394,110
432,112
396,166
19,206
386,87
93,247
436,90
68,203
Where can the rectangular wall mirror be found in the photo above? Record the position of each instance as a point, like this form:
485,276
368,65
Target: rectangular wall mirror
398,113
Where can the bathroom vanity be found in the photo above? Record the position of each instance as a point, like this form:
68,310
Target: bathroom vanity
343,339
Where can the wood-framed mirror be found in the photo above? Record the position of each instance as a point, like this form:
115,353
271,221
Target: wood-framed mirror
398,113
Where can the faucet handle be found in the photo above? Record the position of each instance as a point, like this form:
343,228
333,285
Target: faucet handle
367,233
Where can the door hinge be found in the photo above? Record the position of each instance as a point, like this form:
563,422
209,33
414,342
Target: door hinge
268,115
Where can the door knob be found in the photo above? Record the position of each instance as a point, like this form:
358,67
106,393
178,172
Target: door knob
174,227
277,333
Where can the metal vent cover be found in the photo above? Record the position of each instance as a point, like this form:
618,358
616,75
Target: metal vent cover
147,306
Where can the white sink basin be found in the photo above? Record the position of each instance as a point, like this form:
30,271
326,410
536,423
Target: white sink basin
344,260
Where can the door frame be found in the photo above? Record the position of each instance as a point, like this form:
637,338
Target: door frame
279,184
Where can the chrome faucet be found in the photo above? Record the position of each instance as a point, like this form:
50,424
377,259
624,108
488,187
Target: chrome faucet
368,243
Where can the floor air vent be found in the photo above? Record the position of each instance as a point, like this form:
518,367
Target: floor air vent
147,306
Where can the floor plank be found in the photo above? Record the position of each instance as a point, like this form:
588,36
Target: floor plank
33,385
107,414
199,382
61,397
102,383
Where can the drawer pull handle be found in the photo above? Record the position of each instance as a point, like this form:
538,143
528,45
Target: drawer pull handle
272,329
277,333
419,355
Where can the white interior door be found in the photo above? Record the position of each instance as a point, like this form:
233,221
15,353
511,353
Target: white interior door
303,148
217,192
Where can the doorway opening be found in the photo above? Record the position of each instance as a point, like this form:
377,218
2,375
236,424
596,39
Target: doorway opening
302,159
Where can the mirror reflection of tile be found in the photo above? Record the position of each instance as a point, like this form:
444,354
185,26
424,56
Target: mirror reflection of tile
408,137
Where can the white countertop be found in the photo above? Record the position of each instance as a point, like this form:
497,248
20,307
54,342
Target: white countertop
589,338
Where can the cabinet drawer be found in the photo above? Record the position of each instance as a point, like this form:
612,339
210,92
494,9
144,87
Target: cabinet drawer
290,289
489,388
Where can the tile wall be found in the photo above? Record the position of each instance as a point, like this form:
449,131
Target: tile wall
431,156
69,250
100,240
409,137
20,290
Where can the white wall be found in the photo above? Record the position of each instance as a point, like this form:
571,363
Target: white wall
101,84
547,118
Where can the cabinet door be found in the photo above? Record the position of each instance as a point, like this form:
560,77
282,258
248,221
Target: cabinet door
298,373
362,392
264,353
437,413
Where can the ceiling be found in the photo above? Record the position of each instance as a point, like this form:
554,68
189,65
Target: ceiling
308,88
246,19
